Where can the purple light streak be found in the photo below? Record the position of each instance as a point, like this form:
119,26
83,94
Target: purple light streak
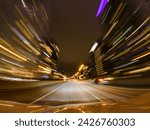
101,8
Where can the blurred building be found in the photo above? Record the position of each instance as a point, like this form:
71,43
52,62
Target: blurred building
27,50
123,47
96,59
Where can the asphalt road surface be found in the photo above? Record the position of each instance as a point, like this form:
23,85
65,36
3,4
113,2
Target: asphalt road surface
72,92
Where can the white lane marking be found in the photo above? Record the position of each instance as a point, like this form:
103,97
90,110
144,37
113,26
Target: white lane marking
106,94
91,93
114,92
47,94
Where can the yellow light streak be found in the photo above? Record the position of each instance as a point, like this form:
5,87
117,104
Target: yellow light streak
17,72
138,28
9,51
81,67
6,105
44,68
45,12
139,36
3,41
25,41
141,56
139,70
112,27
26,28
49,50
23,30
140,46
118,9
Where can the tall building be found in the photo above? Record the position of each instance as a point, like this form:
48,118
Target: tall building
123,47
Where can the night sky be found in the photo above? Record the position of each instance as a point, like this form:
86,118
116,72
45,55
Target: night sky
74,27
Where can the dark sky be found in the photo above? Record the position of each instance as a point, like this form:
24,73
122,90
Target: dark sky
74,27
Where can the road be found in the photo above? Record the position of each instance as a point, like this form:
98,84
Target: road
72,92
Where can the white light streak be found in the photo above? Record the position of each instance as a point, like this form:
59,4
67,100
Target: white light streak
24,5
94,47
